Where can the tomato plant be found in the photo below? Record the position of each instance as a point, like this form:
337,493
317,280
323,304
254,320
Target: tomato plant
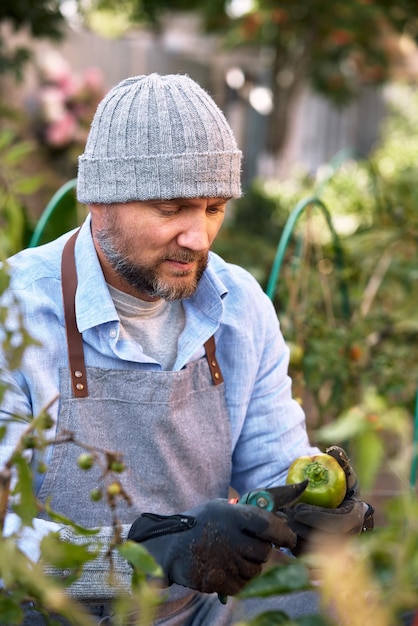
327,483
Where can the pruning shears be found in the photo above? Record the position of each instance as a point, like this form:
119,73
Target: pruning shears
270,499
273,498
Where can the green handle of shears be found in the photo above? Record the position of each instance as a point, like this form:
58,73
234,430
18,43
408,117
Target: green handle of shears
260,498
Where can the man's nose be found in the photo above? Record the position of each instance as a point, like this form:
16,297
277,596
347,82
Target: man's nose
194,233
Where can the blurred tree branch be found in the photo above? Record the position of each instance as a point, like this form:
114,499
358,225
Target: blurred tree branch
40,18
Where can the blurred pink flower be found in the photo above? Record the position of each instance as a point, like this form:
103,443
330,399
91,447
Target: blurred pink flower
52,103
66,101
54,69
69,85
62,132
93,79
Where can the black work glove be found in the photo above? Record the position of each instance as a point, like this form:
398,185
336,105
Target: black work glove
215,547
318,524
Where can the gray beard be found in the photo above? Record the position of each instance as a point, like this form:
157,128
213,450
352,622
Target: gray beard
145,279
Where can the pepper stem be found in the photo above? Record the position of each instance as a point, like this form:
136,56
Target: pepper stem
316,473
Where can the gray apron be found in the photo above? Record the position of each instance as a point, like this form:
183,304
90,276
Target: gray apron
173,431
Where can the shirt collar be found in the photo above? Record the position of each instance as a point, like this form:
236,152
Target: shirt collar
210,291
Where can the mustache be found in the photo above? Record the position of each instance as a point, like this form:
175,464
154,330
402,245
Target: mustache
185,256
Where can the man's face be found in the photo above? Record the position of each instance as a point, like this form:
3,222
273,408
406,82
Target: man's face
157,248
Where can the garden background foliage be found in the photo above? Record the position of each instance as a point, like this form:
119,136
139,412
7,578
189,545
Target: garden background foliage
354,368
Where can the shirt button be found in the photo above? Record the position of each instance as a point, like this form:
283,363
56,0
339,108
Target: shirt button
112,333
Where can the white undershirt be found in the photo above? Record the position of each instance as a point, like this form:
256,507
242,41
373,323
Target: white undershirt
155,325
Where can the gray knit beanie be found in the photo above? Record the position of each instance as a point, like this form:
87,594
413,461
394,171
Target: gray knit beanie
158,137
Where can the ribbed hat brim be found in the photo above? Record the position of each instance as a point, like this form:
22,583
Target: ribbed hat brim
165,177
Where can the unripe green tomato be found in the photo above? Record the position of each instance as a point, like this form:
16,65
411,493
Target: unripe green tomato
113,489
296,353
117,466
96,494
327,484
46,422
42,467
85,461
29,441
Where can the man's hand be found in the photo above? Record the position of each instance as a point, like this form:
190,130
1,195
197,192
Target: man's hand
318,524
216,547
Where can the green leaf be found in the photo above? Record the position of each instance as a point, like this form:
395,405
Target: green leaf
283,578
63,554
368,456
27,185
343,428
3,430
26,508
17,153
10,611
141,560
4,278
6,138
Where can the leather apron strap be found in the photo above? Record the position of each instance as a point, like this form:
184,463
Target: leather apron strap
215,370
74,337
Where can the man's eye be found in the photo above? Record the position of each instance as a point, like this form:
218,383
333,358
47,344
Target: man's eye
170,211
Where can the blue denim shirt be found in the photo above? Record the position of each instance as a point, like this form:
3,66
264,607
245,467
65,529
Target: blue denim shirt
267,425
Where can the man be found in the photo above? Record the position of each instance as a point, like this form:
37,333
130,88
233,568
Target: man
164,353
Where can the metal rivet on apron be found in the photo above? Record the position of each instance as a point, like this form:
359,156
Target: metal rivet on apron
213,363
216,374
78,374
79,386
